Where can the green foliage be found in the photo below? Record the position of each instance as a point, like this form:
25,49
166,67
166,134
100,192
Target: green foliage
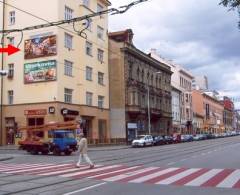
232,4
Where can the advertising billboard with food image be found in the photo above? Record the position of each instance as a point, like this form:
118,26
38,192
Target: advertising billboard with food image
40,71
40,47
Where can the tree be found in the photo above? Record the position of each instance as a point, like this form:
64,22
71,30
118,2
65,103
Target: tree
232,4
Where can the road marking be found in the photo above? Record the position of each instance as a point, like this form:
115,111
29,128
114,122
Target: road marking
171,163
123,176
177,177
153,175
203,178
84,189
231,180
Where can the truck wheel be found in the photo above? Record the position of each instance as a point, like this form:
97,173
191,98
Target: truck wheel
56,151
45,152
68,152
34,151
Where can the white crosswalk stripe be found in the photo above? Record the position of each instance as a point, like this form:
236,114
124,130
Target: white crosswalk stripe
203,178
177,177
229,182
119,177
153,175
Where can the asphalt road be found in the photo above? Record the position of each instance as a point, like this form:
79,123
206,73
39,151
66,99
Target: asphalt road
199,168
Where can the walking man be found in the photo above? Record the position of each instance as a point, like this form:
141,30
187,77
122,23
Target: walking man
82,148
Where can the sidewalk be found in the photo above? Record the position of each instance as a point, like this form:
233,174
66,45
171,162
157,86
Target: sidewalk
91,147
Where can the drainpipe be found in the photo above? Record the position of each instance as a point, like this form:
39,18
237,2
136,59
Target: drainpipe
1,106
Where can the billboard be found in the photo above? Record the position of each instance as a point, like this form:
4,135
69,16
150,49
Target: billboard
40,47
40,71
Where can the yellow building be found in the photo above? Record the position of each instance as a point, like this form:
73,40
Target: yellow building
58,75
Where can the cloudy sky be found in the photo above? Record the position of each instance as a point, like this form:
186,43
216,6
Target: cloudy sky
200,35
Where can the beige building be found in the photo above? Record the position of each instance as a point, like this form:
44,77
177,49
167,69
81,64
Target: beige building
58,75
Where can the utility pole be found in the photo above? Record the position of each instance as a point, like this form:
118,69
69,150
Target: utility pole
149,116
2,56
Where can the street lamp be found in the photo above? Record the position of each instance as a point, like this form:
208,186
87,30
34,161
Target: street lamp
149,114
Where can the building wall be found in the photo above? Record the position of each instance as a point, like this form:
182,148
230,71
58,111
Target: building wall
117,90
36,94
214,117
176,113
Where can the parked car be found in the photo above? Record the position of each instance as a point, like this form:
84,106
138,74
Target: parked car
142,141
168,139
158,140
197,137
186,138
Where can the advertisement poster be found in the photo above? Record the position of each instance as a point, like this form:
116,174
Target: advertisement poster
40,47
40,71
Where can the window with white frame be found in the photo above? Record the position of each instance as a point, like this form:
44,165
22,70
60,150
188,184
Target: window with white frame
100,55
12,18
68,66
68,40
100,78
89,97
68,95
100,101
10,70
86,3
68,14
11,40
88,48
88,73
10,97
100,32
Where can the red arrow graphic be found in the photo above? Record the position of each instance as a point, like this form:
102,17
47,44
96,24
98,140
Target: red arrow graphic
10,50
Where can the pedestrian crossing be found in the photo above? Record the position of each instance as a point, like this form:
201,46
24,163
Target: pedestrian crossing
196,177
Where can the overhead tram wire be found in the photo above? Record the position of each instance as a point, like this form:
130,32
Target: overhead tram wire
121,10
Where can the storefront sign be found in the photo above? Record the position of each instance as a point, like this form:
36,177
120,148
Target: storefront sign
66,111
40,47
132,125
35,112
51,110
40,71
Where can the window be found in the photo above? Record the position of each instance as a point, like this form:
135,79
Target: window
10,70
89,24
100,78
68,68
10,97
68,15
12,18
88,73
100,55
11,40
88,48
99,8
68,41
68,95
100,101
35,121
100,31
89,98
86,3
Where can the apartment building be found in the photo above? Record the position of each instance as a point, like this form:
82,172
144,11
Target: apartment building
58,75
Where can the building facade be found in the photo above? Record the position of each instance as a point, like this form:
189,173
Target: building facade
213,109
176,111
198,112
58,75
200,83
228,113
181,80
140,90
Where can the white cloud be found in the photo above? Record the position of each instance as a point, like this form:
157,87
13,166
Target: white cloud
200,35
